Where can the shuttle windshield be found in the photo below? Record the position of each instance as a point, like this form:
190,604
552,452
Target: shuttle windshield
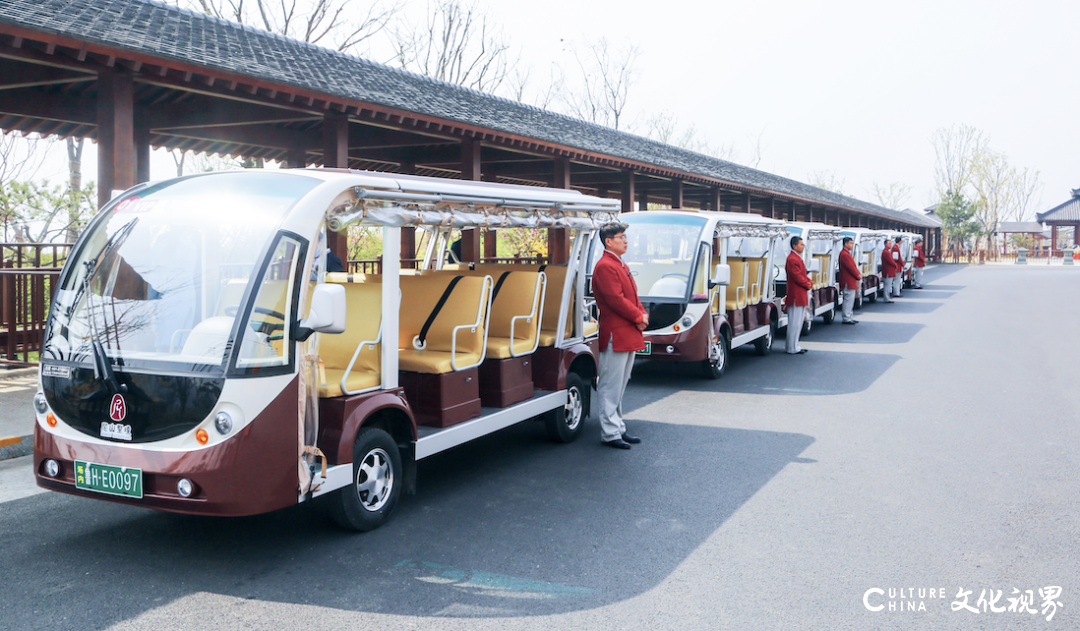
160,279
662,252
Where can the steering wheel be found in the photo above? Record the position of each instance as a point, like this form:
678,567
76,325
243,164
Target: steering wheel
231,311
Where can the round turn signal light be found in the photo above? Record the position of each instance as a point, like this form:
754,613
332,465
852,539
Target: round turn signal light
202,436
51,419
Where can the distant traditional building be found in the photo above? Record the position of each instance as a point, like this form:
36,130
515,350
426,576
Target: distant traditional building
1063,215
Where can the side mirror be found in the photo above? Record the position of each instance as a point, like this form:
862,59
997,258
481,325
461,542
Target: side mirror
327,312
721,275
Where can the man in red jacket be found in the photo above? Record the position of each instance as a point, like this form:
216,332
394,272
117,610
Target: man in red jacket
798,284
849,280
919,262
888,269
898,258
622,320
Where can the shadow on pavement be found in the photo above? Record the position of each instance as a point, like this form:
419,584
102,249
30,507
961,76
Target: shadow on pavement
817,372
508,525
904,304
866,332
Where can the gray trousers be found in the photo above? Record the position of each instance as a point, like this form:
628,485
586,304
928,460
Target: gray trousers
848,309
898,283
889,288
615,369
917,281
795,317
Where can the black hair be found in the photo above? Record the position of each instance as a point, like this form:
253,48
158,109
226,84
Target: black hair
610,229
795,242
847,240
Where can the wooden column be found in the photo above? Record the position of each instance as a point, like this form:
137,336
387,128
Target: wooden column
470,170
335,145
746,205
791,211
296,158
770,207
142,153
559,238
408,233
116,133
643,200
1053,239
628,191
676,193
714,198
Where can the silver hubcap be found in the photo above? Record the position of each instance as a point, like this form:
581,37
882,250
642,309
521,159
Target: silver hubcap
374,480
716,354
574,407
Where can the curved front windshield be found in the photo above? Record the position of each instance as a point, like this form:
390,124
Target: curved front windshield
661,253
159,281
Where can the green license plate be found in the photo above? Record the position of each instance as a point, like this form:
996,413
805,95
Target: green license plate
103,478
645,351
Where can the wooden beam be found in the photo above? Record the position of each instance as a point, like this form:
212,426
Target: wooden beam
335,139
714,198
116,133
627,191
676,193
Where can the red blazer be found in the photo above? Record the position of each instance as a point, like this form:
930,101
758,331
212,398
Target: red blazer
798,281
889,266
899,261
849,272
920,258
616,294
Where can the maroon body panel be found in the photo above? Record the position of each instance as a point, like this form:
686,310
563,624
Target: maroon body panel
445,399
551,365
504,382
691,344
253,472
340,419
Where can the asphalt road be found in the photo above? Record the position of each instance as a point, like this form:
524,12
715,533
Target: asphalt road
932,446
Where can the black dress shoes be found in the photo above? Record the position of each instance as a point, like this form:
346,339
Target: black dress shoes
803,351
618,443
633,440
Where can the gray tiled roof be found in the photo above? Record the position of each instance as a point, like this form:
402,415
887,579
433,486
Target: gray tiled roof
162,31
1068,211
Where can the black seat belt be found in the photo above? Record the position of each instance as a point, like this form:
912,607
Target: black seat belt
495,292
420,341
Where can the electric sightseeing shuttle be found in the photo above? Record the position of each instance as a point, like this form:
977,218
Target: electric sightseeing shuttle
868,248
200,359
822,258
704,279
907,251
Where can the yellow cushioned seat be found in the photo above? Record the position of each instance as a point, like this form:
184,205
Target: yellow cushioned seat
755,269
819,277
467,305
738,288
363,309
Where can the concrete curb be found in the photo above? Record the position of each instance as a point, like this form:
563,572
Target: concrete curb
11,373
23,448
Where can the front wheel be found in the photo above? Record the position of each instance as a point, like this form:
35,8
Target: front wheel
714,365
829,315
367,503
763,344
563,425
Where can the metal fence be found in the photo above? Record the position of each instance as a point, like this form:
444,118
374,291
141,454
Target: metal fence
28,278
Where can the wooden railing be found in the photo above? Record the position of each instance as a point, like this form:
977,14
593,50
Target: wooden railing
25,297
35,254
374,266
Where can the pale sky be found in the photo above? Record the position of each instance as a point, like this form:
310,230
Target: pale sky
853,88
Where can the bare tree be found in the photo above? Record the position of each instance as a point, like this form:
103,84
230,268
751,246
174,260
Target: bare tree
827,180
456,43
665,127
345,25
1026,186
993,181
520,86
757,149
606,78
893,195
21,157
957,150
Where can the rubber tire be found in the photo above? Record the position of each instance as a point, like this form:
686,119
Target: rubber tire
714,371
808,321
347,508
829,316
555,421
764,344
873,296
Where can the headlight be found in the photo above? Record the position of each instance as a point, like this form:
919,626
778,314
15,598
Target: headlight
184,487
223,423
687,321
40,404
52,468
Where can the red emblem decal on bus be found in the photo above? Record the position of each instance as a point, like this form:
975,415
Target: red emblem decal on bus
118,408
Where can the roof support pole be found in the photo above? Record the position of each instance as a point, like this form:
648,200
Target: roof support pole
335,137
116,133
470,170
643,199
408,233
559,238
628,191
770,207
676,194
142,152
296,158
746,205
714,198
1053,239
